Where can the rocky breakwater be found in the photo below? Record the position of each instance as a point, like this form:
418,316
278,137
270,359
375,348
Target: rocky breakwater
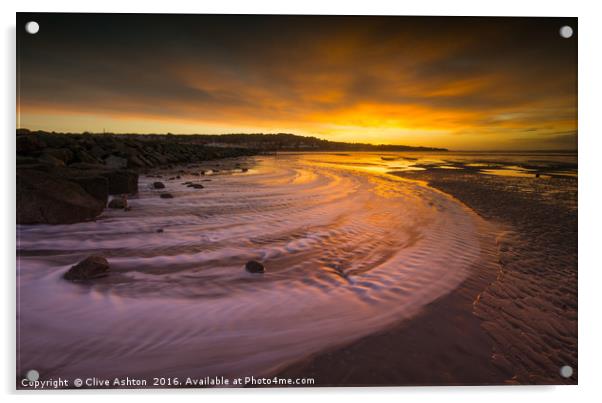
68,178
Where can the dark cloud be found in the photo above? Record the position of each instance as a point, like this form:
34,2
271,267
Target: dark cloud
564,141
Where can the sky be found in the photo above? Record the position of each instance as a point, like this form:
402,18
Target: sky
459,83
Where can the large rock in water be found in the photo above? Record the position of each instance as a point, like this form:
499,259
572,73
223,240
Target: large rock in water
96,186
118,203
92,267
49,199
254,266
122,181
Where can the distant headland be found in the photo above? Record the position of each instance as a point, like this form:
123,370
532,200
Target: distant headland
257,141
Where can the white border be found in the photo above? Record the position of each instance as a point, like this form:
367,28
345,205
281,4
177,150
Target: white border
590,149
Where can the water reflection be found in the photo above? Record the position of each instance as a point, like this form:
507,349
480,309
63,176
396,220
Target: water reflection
529,164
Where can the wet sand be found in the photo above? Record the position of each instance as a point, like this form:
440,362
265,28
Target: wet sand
511,324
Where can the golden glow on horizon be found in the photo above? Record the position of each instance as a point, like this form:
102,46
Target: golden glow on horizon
369,123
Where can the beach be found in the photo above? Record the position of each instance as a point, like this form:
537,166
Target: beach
378,272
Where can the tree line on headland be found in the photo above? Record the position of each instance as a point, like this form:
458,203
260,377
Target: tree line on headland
258,141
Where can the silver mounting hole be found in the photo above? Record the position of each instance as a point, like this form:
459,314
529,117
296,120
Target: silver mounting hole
32,27
566,32
33,375
566,371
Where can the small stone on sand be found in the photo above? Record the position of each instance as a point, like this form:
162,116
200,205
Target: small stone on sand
254,266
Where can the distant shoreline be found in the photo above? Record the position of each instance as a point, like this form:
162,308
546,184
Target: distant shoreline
257,141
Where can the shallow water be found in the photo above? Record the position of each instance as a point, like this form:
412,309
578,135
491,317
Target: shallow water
349,250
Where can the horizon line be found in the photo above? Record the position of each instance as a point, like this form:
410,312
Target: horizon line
85,132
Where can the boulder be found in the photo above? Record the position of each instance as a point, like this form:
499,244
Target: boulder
23,160
51,160
54,141
92,267
81,155
118,202
48,199
166,196
114,162
88,166
96,186
254,266
136,161
97,152
158,185
122,181
62,154
29,144
119,181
